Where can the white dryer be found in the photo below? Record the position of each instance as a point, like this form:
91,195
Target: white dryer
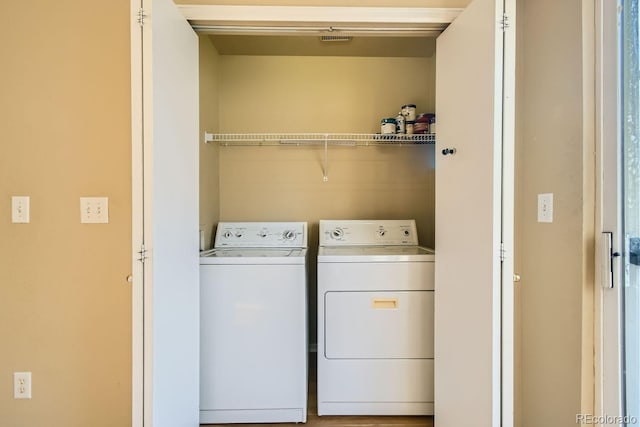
375,319
253,324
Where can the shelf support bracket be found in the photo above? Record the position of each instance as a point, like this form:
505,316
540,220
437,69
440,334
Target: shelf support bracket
208,137
325,171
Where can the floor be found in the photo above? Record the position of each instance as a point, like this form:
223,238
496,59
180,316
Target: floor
313,420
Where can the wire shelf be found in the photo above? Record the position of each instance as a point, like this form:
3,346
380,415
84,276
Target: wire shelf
345,139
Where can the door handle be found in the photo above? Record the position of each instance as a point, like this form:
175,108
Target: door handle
384,303
447,151
607,256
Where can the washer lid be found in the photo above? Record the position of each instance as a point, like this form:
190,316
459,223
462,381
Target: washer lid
375,254
221,256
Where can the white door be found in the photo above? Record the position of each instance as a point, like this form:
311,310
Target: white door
165,222
618,362
474,217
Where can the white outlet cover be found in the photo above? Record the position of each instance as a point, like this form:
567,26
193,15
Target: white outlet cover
94,210
545,207
20,209
22,385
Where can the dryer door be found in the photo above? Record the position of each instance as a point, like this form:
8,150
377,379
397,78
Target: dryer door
379,325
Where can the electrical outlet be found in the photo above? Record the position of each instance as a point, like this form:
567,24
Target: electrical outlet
20,209
22,385
94,210
545,207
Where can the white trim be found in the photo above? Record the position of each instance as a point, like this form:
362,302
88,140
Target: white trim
137,323
315,14
372,31
508,219
146,211
598,392
588,216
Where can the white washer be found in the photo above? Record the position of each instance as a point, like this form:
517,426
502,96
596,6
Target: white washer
253,324
375,319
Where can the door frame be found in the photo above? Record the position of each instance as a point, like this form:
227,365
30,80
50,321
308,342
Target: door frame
137,219
608,380
508,315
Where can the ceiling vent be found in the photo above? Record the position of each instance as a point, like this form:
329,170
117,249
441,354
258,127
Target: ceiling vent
336,38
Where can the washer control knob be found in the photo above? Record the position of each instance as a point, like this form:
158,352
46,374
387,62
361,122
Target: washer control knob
382,232
337,233
239,234
407,233
262,233
227,234
289,235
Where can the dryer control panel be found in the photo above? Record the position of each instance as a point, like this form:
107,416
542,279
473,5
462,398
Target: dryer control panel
368,233
261,235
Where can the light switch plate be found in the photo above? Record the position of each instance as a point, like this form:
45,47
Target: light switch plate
94,210
22,385
20,209
545,207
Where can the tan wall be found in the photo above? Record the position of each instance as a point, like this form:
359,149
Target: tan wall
324,94
209,174
65,306
550,150
320,94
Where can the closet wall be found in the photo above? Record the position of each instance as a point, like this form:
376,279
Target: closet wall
324,94
209,176
314,94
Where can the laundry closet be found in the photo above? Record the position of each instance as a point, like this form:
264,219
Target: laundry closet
329,87
265,86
